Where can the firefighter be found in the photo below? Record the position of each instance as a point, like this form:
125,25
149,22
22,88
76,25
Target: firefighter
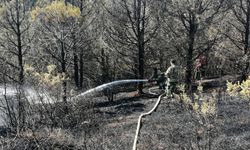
172,76
158,76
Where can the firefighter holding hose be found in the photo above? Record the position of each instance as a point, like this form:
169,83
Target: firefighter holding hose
159,77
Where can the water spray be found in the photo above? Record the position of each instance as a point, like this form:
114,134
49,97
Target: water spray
110,85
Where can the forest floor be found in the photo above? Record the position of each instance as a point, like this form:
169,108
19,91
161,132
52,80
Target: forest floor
172,126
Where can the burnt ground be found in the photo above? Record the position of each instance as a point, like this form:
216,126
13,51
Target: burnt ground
173,126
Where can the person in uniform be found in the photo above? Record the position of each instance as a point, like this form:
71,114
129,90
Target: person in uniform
156,73
172,78
159,77
161,81
199,67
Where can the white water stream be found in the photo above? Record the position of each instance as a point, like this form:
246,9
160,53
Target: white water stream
109,85
33,96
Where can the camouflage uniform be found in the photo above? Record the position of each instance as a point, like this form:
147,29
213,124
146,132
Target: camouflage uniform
159,78
172,79
161,81
155,75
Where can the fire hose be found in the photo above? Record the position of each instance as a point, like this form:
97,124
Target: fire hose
145,114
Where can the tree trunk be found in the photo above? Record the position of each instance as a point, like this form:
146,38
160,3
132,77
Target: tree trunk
76,70
246,44
64,83
21,109
19,45
189,58
141,66
141,45
81,70
20,60
189,64
81,6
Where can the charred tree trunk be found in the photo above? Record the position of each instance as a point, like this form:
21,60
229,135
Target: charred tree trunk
76,71
246,43
189,64
19,44
21,104
20,58
135,67
81,6
189,57
141,45
81,70
81,56
64,83
75,61
141,64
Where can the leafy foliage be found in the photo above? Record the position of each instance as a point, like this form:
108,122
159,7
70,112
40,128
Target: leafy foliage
239,89
56,10
50,78
200,104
